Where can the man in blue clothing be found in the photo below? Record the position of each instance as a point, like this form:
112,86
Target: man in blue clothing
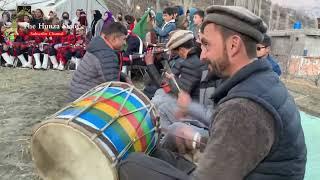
263,52
169,25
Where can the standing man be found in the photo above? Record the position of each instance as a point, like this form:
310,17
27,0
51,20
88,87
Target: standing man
255,131
100,63
263,52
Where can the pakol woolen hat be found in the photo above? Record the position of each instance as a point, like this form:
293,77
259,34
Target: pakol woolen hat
238,19
179,37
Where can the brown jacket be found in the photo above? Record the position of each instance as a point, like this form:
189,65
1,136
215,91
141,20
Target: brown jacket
242,135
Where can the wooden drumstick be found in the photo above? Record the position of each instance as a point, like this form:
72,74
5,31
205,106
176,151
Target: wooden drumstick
175,82
168,69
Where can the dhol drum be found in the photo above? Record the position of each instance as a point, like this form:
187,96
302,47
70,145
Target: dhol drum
86,140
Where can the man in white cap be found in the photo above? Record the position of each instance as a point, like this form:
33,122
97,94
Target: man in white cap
186,71
256,131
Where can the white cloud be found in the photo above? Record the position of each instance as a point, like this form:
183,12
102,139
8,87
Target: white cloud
311,7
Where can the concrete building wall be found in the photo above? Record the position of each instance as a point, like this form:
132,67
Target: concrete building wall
280,45
297,44
313,46
298,51
294,42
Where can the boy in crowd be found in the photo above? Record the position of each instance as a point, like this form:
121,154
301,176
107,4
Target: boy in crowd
169,25
197,19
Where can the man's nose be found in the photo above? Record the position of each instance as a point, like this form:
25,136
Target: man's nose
203,56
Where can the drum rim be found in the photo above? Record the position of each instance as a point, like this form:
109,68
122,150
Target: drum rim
78,128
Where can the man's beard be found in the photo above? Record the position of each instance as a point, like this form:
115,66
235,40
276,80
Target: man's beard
217,68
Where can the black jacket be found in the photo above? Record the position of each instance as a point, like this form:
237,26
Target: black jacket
188,73
100,64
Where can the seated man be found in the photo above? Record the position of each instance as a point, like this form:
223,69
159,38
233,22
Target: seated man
197,110
255,131
186,71
100,64
263,52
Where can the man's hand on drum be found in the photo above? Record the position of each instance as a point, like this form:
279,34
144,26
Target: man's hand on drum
183,102
182,137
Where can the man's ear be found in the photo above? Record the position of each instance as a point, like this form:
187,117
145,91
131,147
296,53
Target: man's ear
235,45
110,38
103,36
268,49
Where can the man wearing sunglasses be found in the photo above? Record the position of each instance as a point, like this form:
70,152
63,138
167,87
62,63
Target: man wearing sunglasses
263,52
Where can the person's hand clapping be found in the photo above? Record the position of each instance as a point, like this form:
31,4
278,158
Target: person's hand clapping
149,58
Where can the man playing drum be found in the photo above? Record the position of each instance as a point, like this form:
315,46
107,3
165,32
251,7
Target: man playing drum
100,63
186,71
256,129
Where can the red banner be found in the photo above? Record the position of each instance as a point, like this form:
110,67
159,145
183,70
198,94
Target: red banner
45,34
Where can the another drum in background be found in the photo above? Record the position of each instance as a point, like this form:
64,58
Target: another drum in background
86,139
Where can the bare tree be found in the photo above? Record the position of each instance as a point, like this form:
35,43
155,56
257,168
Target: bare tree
3,3
185,3
132,7
316,73
317,80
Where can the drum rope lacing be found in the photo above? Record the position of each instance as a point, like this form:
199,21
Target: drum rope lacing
95,90
122,153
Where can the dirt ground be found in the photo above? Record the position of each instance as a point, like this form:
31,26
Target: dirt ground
28,97
306,94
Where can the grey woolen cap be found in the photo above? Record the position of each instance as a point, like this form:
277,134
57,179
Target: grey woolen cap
238,19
